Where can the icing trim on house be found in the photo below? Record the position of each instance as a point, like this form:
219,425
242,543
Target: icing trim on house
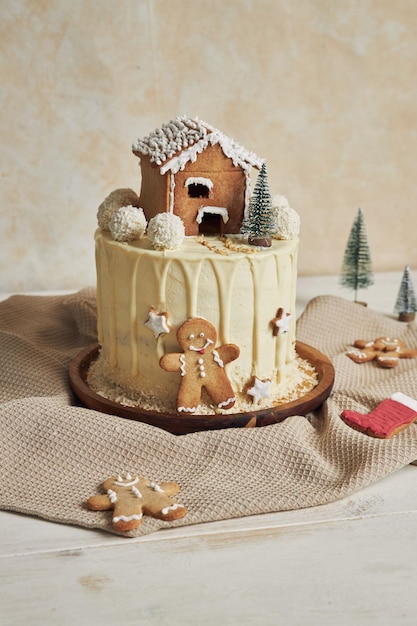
171,192
238,155
179,141
217,210
199,180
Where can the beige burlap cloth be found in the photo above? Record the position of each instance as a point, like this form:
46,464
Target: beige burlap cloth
54,453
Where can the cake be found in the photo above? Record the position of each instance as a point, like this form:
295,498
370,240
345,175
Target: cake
192,318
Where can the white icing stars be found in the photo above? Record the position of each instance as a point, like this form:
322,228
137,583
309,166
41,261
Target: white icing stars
259,389
157,322
281,322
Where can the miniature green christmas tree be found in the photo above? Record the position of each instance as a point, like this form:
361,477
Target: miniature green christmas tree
406,304
357,265
259,222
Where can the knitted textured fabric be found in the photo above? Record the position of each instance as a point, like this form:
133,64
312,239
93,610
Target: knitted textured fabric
55,453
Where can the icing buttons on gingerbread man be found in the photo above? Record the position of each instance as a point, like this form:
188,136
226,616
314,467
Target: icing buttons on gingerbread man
201,364
131,497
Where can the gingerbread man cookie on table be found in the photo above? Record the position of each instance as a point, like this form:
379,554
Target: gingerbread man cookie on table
133,496
385,351
201,364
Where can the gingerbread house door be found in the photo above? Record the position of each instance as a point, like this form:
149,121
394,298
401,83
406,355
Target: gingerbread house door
211,224
211,220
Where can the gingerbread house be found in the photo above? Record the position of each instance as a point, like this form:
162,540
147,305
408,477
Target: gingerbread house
193,170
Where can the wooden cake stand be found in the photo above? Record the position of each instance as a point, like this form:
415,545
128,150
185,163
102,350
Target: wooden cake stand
183,424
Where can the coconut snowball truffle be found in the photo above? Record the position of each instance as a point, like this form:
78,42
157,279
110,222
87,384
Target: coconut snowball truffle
113,202
287,220
166,231
127,223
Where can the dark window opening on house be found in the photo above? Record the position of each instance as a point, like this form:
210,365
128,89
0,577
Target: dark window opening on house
197,190
211,224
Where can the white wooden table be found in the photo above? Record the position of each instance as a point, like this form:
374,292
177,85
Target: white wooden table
351,562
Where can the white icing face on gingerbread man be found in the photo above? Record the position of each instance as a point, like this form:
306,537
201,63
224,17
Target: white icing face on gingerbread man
201,365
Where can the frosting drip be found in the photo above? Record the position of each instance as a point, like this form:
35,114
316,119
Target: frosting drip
238,292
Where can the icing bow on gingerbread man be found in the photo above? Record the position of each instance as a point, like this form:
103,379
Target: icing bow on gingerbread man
201,365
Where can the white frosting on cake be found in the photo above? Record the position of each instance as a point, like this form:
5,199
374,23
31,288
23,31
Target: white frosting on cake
238,292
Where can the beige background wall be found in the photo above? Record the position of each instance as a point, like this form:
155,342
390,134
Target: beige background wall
325,90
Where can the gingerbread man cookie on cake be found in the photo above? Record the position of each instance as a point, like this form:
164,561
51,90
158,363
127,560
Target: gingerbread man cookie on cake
201,365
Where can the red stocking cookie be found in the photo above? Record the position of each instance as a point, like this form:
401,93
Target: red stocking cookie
201,365
131,497
387,419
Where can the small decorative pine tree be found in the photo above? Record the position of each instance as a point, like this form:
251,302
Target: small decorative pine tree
357,265
259,221
406,303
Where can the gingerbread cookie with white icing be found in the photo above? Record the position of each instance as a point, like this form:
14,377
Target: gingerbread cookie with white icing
385,351
201,364
133,496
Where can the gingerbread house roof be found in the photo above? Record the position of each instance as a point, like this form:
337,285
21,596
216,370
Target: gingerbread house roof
179,141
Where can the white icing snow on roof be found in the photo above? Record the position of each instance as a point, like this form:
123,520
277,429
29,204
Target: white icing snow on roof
179,141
